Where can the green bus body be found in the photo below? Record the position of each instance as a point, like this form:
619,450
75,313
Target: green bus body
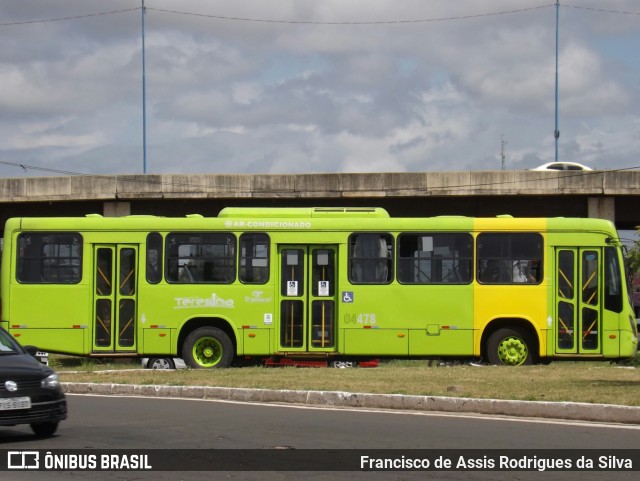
326,284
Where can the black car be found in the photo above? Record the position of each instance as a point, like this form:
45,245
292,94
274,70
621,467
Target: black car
30,392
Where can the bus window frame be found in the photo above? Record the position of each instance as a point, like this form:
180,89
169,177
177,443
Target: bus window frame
383,266
499,269
417,259
242,258
154,271
76,269
191,276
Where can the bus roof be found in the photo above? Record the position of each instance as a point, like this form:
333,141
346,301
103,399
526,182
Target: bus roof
296,212
323,218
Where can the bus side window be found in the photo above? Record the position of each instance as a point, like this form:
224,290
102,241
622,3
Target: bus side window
254,258
154,258
612,280
49,258
509,258
201,258
370,258
435,258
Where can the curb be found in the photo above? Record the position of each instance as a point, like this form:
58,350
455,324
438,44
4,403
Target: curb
606,413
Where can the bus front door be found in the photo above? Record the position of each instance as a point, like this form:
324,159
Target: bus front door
577,329
115,291
307,317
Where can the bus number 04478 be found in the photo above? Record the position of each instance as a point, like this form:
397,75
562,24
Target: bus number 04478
368,318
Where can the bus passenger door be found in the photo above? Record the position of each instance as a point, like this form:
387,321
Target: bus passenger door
115,298
307,298
577,329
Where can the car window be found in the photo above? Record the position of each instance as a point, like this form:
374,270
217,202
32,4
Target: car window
7,344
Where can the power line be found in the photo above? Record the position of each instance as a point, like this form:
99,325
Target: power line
311,22
376,22
601,10
63,19
264,20
26,167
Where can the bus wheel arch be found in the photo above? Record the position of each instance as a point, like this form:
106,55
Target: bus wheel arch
511,342
207,343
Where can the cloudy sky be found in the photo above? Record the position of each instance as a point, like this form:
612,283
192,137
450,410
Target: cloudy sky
304,86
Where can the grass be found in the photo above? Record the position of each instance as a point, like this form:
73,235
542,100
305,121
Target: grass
591,382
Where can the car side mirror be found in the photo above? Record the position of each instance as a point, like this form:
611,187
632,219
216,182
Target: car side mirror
42,357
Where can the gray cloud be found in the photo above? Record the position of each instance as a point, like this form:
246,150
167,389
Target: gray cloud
241,96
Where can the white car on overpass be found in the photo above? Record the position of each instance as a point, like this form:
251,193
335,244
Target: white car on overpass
562,166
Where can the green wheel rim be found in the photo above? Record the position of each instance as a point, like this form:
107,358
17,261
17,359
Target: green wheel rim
207,351
512,351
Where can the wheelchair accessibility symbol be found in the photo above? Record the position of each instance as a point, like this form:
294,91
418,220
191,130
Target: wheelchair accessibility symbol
347,296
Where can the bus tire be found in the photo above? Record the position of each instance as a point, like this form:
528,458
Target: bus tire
510,347
207,347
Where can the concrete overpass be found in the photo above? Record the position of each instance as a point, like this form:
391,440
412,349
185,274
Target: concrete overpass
613,195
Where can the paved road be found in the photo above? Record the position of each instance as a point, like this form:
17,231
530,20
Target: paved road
142,423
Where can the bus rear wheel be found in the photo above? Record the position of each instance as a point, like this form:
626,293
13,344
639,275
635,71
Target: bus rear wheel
510,347
207,347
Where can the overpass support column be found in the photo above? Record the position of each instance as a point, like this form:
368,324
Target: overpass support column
116,209
602,208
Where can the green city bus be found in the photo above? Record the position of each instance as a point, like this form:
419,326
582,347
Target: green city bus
334,285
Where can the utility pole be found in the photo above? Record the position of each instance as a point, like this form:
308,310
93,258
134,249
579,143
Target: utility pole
502,154
144,101
556,132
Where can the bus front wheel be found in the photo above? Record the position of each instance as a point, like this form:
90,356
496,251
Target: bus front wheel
510,347
207,347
